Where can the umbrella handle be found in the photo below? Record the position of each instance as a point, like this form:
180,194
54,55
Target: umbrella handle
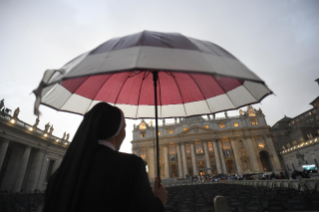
155,77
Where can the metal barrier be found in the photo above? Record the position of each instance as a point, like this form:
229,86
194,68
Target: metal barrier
299,185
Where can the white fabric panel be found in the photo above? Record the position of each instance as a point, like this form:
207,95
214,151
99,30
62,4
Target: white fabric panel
57,96
128,110
258,90
147,111
219,103
77,104
163,59
196,108
240,96
172,111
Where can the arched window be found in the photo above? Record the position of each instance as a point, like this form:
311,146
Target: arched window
221,124
199,148
172,149
143,153
236,124
253,121
188,148
226,145
170,130
142,134
260,143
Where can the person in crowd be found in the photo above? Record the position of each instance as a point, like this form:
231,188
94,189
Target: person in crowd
272,176
85,180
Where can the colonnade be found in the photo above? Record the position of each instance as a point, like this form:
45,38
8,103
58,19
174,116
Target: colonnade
24,167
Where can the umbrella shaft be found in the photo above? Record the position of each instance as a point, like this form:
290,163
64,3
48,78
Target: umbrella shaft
155,77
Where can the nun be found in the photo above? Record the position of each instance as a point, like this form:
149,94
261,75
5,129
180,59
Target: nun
94,176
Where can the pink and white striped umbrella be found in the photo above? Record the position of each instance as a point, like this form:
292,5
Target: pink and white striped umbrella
194,78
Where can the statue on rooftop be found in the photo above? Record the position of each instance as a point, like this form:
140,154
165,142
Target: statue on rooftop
46,127
36,122
241,112
67,137
51,130
64,135
226,115
1,104
16,113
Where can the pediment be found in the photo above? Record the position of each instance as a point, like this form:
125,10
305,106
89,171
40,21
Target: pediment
196,129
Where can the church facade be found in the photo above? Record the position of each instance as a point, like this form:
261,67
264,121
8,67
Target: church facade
197,145
28,155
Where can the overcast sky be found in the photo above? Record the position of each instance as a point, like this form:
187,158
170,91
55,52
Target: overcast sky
278,40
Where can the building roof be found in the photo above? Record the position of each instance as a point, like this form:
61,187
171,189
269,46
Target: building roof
311,103
193,119
284,120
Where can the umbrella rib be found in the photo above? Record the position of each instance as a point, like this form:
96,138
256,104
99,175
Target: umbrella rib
200,91
99,90
225,93
139,95
180,93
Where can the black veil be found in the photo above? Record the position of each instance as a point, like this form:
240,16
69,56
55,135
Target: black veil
66,185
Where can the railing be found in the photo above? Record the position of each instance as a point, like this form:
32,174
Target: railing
304,144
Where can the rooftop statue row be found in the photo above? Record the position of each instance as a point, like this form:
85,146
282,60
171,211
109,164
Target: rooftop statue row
48,129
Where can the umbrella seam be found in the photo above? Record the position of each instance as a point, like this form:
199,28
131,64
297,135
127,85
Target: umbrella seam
201,92
99,90
138,101
180,93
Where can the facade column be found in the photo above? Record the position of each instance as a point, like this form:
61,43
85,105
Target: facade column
277,165
151,162
22,169
184,160
209,170
166,165
3,150
236,155
253,158
35,170
222,158
216,156
179,160
195,172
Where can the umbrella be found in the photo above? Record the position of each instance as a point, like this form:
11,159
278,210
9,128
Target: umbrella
177,75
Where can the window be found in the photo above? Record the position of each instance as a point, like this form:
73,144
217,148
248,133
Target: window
172,149
170,130
236,124
143,153
188,149
226,145
221,124
142,134
309,113
199,148
206,126
159,133
253,121
260,143
142,126
185,128
50,169
210,146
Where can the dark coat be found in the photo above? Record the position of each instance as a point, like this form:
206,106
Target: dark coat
118,182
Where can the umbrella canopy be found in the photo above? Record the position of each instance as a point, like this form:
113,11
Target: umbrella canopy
194,78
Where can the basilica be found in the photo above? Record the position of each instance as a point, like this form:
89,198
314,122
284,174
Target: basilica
210,145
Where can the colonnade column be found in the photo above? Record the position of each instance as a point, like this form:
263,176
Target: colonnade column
22,169
222,157
236,155
195,172
209,170
35,171
217,160
3,149
277,164
179,160
184,160
166,165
